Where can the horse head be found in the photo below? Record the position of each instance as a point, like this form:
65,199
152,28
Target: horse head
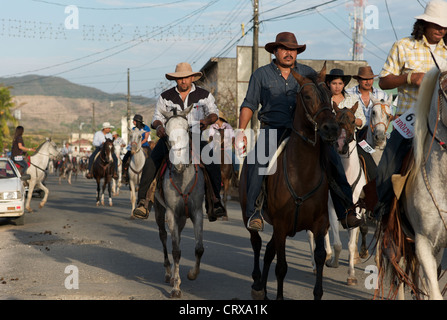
313,104
177,131
345,119
136,138
380,119
107,150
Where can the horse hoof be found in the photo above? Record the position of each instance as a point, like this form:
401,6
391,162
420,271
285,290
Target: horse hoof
257,295
331,264
193,275
97,204
177,294
364,254
351,281
29,210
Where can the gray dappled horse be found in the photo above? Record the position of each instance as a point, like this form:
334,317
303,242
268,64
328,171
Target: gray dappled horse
423,201
184,189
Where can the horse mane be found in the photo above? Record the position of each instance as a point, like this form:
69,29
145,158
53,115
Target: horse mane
40,146
422,111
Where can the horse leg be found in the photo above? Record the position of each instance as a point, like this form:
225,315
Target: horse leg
174,227
310,237
31,184
320,257
109,189
198,234
133,197
363,248
426,257
352,248
98,192
257,287
46,192
333,263
281,265
163,235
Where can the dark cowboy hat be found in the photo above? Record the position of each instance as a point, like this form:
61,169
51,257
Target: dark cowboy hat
285,39
338,73
365,73
138,118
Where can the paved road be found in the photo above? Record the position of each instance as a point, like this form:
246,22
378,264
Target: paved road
118,258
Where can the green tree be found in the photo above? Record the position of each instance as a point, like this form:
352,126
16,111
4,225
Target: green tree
6,104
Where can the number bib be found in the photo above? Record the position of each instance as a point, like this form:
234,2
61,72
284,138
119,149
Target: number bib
405,124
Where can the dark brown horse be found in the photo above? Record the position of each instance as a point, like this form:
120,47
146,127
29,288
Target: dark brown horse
226,166
103,168
297,193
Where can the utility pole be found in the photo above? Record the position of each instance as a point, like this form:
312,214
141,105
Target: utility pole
255,55
358,30
128,104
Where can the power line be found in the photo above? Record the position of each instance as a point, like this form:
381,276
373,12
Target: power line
391,20
114,9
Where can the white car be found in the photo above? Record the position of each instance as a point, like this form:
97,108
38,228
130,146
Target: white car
12,192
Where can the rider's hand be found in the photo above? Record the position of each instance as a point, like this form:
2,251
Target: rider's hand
161,131
203,124
240,141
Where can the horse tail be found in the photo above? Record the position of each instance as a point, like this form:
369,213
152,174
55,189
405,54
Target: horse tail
422,111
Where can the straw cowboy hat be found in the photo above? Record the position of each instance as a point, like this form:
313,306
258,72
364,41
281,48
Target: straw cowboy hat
285,39
222,116
106,125
365,73
183,70
338,73
435,12
114,133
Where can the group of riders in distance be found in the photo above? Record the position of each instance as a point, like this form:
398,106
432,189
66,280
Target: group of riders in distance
324,154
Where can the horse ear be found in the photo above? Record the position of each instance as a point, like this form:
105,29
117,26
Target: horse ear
322,74
299,78
165,114
390,100
335,106
355,106
187,110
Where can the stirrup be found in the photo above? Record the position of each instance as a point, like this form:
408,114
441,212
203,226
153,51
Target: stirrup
255,222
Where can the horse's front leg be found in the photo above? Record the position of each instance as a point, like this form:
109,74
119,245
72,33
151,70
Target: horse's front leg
109,189
352,248
163,235
176,254
198,233
98,191
320,257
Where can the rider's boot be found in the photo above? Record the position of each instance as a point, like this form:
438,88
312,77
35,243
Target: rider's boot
142,210
255,222
89,175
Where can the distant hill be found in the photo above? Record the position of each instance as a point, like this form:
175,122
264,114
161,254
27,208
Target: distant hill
53,106
35,85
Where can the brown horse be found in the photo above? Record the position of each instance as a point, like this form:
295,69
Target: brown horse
297,193
103,168
226,167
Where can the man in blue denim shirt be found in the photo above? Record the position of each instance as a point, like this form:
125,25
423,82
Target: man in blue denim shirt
275,89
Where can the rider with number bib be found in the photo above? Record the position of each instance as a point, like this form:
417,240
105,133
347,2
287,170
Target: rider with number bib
18,150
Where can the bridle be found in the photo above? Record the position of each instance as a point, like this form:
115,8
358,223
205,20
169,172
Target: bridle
388,116
312,118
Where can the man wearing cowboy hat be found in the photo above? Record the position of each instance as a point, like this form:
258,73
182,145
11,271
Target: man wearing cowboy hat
408,61
98,140
146,137
365,91
275,89
204,113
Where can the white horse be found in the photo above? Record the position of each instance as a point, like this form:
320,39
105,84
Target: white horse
379,122
116,184
39,163
424,199
347,149
136,165
184,189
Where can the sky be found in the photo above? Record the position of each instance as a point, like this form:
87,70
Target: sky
95,42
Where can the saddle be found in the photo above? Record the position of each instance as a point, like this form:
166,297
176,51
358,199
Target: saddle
156,186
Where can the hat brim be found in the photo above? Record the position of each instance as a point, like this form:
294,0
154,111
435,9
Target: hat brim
345,78
180,75
357,77
271,46
427,18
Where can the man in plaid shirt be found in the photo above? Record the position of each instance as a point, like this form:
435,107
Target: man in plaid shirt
408,61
